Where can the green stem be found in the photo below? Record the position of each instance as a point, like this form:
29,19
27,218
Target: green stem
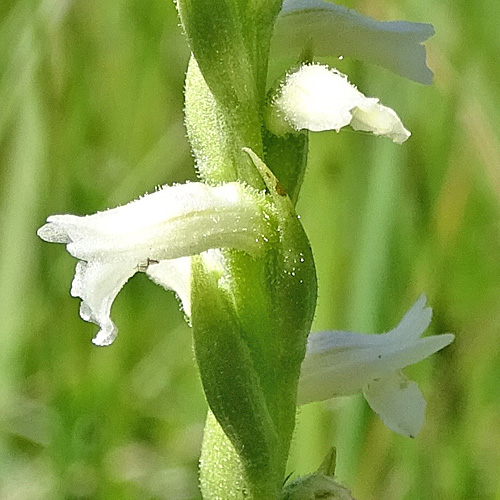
216,139
222,473
250,319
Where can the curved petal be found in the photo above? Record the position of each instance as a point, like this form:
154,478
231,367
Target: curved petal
398,402
174,275
98,284
154,234
333,30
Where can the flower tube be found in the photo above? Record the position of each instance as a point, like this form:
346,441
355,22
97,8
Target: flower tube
318,98
160,229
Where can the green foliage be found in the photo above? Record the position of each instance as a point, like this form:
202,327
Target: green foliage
91,116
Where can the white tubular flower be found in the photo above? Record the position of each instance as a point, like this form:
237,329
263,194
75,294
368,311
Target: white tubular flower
155,234
327,29
344,363
317,98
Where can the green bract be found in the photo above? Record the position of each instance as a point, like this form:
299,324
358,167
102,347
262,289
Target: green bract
251,318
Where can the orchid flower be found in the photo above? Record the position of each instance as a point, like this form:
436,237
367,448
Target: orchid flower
318,98
154,234
344,363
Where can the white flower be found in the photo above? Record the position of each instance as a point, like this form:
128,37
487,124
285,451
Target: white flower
318,98
344,363
326,29
155,234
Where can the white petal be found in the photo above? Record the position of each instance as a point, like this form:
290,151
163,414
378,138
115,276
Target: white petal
332,30
414,322
370,116
399,403
153,234
174,222
98,284
318,98
174,275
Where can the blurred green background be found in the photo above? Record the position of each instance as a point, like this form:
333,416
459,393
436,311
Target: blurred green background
91,117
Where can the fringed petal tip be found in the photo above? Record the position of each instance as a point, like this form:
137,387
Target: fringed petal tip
97,285
105,337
